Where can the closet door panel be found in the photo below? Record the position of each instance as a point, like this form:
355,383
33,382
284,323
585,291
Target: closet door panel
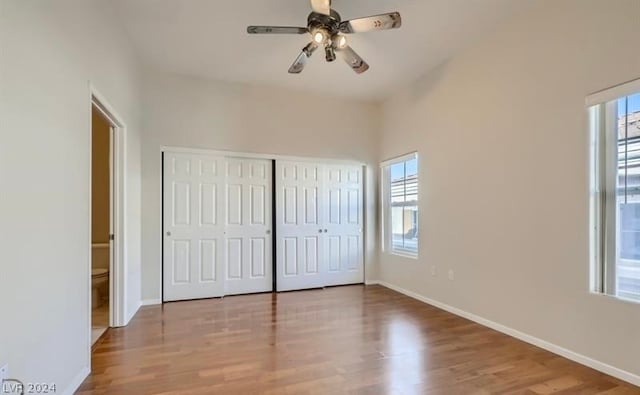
343,244
319,225
217,226
249,226
299,210
193,230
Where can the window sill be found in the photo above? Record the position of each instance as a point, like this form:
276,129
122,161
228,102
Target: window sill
407,255
616,298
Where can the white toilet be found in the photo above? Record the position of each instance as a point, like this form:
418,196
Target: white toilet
99,279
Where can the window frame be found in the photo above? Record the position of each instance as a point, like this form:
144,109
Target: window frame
602,109
385,196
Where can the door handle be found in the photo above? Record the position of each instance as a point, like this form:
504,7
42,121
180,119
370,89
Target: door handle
319,230
268,232
325,231
168,233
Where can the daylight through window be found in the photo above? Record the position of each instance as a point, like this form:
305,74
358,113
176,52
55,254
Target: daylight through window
616,204
401,205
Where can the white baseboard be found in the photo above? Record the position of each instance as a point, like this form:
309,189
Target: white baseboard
574,356
76,382
371,282
150,302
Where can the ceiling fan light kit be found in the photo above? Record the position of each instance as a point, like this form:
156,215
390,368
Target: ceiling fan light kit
327,30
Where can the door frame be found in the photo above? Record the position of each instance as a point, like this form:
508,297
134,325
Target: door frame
256,155
248,155
117,260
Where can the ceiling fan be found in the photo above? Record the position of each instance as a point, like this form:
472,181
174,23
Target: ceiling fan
329,31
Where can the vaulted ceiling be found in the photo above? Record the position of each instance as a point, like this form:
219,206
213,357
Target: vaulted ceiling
208,39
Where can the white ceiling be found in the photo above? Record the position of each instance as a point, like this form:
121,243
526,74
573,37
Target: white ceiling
207,38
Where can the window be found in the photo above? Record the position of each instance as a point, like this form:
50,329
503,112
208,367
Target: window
400,205
615,179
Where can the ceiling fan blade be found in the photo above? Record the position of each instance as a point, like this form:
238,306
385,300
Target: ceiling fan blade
321,6
353,59
392,20
276,30
301,60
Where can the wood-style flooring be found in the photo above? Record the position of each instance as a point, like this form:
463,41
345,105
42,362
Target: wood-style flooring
345,340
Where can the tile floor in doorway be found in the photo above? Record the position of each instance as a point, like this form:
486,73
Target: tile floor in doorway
99,321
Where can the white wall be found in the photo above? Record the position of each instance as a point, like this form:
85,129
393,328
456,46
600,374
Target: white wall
502,136
189,112
49,51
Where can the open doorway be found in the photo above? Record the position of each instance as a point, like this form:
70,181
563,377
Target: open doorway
107,222
101,221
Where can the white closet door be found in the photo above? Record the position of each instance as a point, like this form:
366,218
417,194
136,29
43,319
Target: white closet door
193,226
343,245
299,230
248,220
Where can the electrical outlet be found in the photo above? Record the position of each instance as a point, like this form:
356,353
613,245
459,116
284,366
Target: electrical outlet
451,275
4,374
434,271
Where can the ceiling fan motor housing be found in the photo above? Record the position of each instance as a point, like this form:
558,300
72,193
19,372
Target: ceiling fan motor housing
330,23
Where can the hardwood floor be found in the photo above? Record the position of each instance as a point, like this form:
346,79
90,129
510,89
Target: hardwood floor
345,340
